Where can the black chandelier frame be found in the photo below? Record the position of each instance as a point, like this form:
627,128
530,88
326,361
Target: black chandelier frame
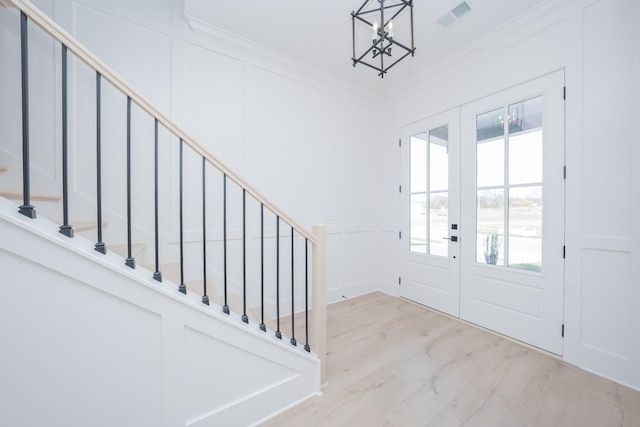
381,45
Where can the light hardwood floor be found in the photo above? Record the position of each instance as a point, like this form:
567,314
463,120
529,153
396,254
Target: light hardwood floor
394,363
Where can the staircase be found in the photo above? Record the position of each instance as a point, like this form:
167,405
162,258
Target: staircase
117,308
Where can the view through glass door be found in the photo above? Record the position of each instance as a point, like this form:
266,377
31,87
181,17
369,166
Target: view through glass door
485,217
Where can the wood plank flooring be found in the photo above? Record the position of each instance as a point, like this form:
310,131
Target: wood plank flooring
394,363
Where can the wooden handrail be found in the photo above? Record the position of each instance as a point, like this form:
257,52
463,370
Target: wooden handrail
318,238
82,53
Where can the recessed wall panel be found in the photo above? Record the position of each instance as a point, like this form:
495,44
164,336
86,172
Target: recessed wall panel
276,143
607,109
363,161
605,309
214,103
359,251
84,356
215,386
151,13
327,166
140,55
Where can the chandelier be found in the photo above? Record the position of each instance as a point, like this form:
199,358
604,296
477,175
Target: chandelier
382,34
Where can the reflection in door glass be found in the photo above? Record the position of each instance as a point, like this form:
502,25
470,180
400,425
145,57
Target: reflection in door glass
430,192
509,166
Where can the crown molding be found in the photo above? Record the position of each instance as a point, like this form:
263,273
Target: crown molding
241,48
540,16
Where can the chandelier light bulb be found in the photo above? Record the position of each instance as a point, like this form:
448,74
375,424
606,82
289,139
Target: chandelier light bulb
376,27
390,29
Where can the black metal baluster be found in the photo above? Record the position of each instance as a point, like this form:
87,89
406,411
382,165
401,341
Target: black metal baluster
65,228
225,307
130,261
306,295
25,209
157,275
205,297
262,325
293,331
245,318
278,333
182,287
99,246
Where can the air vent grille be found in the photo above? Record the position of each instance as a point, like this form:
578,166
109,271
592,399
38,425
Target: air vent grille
460,9
454,14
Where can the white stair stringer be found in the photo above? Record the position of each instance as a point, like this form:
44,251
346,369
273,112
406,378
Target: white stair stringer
93,342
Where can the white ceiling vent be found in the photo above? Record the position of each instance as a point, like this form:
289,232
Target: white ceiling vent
454,14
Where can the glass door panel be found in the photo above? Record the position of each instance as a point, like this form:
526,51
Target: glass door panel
418,183
509,168
429,164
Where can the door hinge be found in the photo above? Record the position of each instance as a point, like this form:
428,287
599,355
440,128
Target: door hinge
399,280
399,234
563,329
564,93
564,252
565,173
400,142
400,187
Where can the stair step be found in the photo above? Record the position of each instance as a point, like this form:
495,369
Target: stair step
81,226
285,325
196,287
34,197
122,250
255,314
170,271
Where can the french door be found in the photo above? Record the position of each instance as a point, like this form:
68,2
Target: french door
431,202
493,253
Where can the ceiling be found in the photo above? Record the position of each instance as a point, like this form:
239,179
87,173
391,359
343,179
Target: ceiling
319,32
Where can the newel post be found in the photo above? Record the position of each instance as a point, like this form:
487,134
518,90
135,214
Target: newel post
319,298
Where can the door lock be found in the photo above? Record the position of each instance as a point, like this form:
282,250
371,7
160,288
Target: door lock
452,238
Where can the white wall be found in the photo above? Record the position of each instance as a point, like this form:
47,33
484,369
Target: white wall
603,193
104,345
597,44
276,120
304,139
